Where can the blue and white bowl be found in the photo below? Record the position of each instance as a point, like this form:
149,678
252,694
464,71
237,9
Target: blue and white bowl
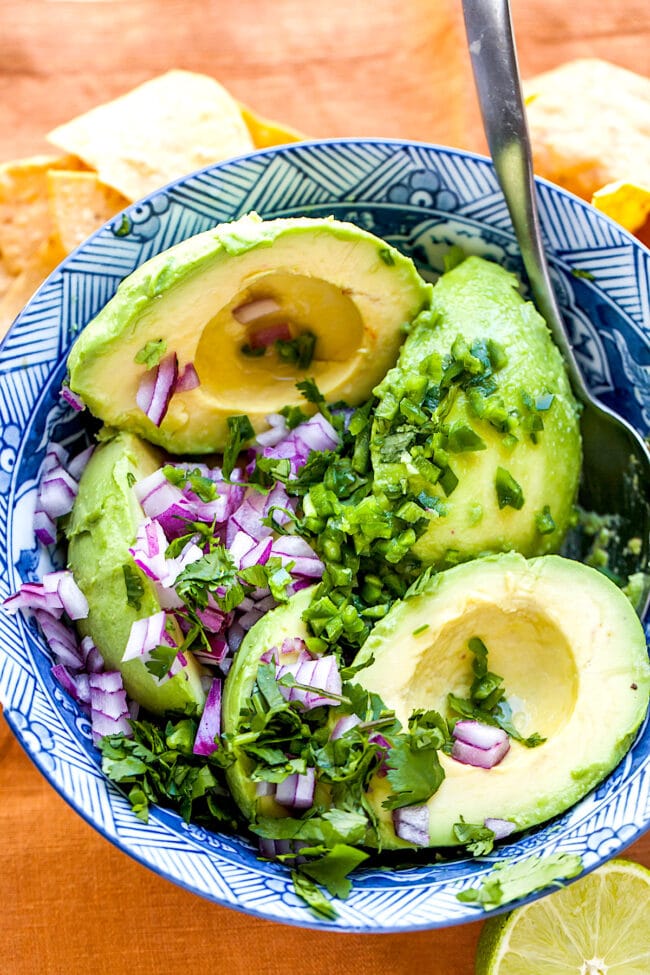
422,199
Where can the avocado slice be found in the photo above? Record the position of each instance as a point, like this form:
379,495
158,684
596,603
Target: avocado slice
276,626
572,653
518,464
322,278
102,526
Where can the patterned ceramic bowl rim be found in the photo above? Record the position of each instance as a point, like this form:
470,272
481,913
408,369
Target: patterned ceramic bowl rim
423,199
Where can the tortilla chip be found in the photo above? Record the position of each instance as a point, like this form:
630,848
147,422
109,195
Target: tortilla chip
6,278
265,132
25,223
590,127
165,128
79,205
23,285
626,203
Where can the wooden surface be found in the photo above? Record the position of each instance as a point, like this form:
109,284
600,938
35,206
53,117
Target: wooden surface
71,903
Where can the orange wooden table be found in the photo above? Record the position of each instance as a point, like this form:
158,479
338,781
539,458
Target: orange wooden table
71,902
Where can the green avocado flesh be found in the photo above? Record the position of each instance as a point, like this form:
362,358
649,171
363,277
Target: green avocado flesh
102,526
507,424
347,288
572,654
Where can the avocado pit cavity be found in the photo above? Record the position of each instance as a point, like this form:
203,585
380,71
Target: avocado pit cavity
526,647
240,343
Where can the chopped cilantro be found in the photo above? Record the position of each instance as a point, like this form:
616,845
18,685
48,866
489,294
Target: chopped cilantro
151,353
509,882
579,272
160,660
298,351
475,837
240,431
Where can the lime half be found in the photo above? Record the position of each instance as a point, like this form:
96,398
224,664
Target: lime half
599,925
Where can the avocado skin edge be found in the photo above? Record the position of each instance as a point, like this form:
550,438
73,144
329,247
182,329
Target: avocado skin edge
102,526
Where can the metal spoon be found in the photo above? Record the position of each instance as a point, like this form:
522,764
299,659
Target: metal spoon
616,460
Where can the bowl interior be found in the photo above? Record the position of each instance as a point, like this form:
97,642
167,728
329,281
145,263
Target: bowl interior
423,200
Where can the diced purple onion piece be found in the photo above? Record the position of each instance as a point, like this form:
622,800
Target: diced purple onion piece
259,554
297,790
343,725
56,493
44,527
479,734
188,379
145,635
209,728
411,823
157,387
77,465
72,598
109,712
500,827
256,308
263,788
71,398
485,758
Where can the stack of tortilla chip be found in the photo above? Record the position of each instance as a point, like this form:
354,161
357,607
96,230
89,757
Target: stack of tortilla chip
111,156
590,129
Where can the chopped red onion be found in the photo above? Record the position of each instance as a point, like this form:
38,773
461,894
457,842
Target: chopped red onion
297,790
188,379
92,658
320,674
343,725
72,599
44,527
157,387
259,554
411,823
477,733
109,712
145,635
294,549
56,493
209,728
56,593
477,744
61,640
77,465
276,432
72,399
500,827
250,311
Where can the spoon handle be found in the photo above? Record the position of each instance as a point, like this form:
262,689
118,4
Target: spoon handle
490,36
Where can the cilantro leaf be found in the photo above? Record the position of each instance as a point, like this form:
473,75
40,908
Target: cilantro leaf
160,660
509,882
240,431
151,353
414,773
313,896
331,870
475,837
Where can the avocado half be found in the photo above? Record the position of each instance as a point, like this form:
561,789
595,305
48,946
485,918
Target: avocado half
102,526
572,653
341,285
540,451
